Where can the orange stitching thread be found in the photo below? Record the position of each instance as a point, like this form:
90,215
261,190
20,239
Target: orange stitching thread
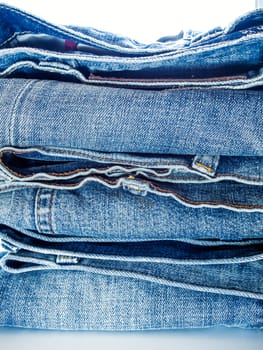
186,200
205,166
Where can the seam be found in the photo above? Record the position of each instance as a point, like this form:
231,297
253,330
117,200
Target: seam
75,171
186,200
129,167
43,220
70,172
73,152
66,153
151,185
37,210
33,19
13,36
50,212
14,109
151,58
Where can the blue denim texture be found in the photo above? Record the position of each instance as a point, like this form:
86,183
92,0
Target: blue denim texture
96,213
129,120
160,251
115,304
123,155
130,174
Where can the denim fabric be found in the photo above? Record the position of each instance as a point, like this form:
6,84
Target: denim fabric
222,270
96,213
130,174
220,194
49,163
32,45
205,122
47,300
208,257
72,137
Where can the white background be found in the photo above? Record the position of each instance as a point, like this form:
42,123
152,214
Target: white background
145,21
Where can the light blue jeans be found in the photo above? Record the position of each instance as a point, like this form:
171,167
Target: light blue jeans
78,300
130,177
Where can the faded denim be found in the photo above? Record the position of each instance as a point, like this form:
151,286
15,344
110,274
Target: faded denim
59,114
47,300
130,174
60,230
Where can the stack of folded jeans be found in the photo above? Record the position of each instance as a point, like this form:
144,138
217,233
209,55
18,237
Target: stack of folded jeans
131,177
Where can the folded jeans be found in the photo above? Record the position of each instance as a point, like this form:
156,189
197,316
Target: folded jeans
107,119
47,300
219,52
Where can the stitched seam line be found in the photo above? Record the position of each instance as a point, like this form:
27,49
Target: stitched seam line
44,203
14,110
184,199
72,152
103,44
86,37
37,217
72,172
158,189
50,212
13,36
129,167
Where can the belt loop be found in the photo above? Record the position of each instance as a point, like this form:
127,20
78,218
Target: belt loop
206,164
66,259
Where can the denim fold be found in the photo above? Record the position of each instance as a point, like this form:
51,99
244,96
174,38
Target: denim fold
30,44
47,300
130,177
107,119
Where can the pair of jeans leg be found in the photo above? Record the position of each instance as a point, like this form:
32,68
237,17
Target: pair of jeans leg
72,300
88,213
59,114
